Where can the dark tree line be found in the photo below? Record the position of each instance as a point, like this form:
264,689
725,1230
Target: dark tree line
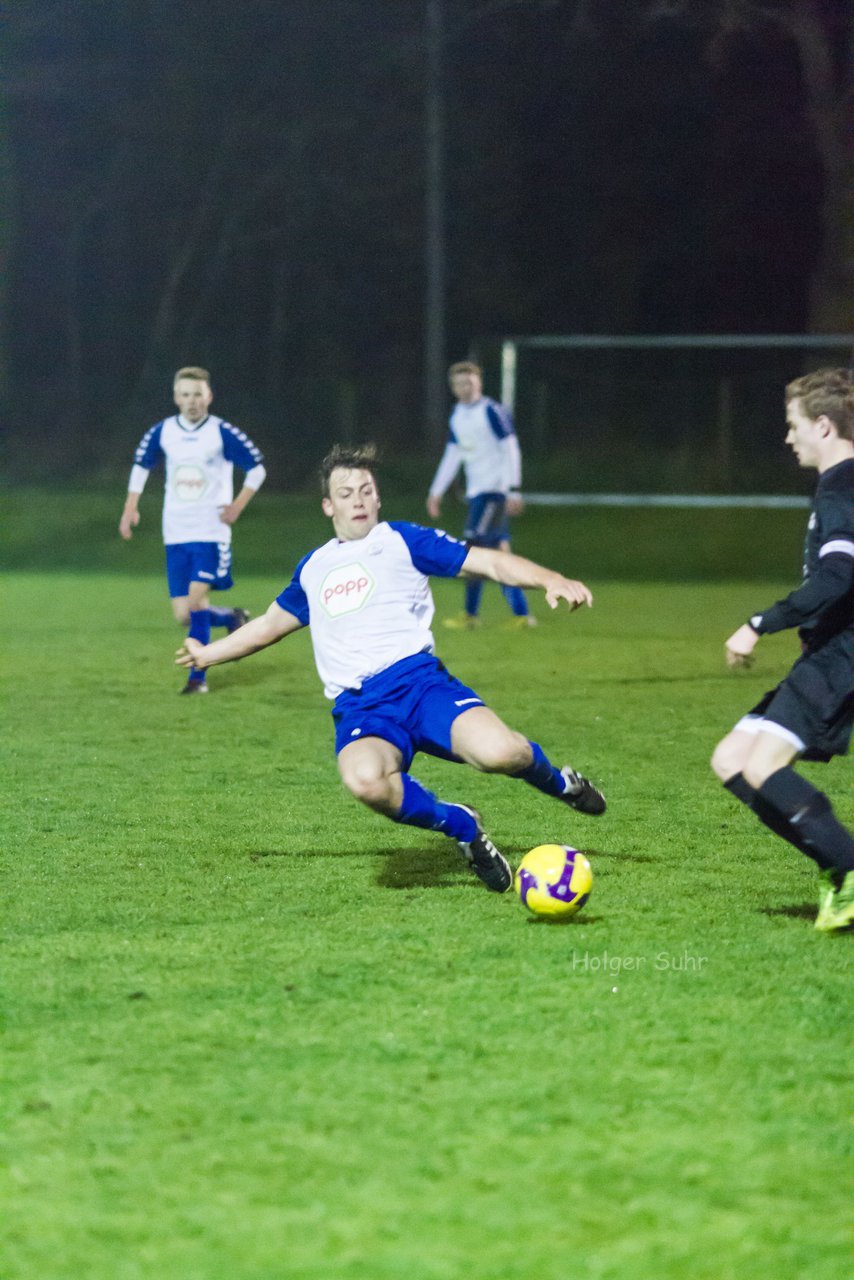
244,186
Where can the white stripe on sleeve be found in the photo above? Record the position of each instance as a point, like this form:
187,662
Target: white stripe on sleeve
138,477
838,546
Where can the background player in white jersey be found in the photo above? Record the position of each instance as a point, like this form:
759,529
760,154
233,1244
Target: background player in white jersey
482,441
199,507
367,598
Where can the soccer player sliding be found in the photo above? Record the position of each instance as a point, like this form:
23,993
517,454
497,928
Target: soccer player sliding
366,596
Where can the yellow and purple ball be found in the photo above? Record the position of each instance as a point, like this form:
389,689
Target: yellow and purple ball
554,880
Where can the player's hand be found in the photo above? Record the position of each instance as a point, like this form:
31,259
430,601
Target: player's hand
434,507
229,513
128,522
191,654
574,593
739,648
515,504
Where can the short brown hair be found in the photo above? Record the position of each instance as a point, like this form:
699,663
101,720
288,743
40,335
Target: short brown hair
193,371
465,366
829,392
348,457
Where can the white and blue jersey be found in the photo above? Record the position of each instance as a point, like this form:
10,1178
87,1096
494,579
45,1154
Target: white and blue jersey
200,459
483,441
368,601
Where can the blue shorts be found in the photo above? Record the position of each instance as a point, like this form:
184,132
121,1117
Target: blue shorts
486,523
412,705
188,562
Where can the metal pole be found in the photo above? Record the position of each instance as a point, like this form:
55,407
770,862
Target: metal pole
434,228
508,375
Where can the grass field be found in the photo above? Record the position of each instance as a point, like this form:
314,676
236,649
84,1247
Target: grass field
253,1032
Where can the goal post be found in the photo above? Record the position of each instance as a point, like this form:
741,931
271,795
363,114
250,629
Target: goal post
687,412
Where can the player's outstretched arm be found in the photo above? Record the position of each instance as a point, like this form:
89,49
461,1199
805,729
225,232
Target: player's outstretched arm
260,633
515,571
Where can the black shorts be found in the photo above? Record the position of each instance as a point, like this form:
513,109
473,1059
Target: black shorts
815,702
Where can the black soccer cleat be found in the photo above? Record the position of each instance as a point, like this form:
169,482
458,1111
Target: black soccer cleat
240,619
580,793
194,686
486,862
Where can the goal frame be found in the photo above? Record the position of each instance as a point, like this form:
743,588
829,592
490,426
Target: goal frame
510,347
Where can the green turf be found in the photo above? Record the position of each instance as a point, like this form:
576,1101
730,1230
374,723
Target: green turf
253,1032
76,530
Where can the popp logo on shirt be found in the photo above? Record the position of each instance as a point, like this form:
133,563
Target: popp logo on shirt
346,589
189,482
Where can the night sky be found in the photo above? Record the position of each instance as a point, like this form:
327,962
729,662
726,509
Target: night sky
243,186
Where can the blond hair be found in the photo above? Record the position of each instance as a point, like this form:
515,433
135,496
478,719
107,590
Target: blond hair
465,366
193,371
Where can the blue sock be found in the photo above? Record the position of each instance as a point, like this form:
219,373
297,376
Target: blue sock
542,774
200,629
515,597
474,590
421,808
220,617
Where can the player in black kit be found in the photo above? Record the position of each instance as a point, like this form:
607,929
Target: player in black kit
809,714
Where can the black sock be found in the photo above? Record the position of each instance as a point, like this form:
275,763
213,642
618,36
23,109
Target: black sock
810,815
774,821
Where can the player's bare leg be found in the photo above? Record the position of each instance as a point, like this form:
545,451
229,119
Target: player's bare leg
181,610
484,741
372,770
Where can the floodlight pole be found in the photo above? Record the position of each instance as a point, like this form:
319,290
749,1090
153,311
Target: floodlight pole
434,229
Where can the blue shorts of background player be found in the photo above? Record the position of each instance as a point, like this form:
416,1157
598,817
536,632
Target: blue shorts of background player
488,525
188,562
487,522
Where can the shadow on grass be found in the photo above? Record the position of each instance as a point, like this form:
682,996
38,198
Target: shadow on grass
618,856
401,868
416,868
796,911
423,869
579,920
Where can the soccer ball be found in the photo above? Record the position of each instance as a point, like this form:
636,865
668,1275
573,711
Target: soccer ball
554,880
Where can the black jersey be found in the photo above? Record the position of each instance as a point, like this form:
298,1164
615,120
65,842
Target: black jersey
823,605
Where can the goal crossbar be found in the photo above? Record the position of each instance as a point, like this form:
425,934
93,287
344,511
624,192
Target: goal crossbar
709,341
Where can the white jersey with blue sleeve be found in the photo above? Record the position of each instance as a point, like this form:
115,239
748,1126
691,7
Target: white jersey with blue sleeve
200,459
482,439
368,602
